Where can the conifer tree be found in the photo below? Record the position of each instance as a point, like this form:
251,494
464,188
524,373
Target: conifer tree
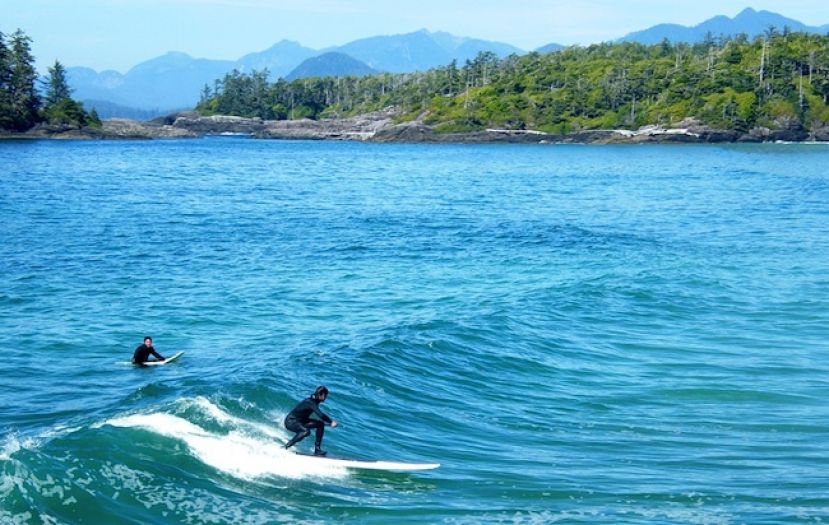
60,108
25,101
57,87
5,85
94,120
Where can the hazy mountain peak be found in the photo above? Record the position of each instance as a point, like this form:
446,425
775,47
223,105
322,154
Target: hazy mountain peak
176,54
748,21
332,64
286,44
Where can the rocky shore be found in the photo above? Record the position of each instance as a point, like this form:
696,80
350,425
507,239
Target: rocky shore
381,127
111,129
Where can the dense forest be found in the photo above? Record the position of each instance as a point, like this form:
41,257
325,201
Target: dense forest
25,100
778,80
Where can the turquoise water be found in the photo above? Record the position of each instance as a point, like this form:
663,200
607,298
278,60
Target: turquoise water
577,334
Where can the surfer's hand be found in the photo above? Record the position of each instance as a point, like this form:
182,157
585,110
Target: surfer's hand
333,424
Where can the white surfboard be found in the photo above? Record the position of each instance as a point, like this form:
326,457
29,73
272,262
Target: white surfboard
166,361
374,465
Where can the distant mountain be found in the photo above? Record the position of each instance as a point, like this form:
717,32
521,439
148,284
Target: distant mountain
280,59
748,21
171,81
109,110
331,65
420,50
175,80
549,48
462,49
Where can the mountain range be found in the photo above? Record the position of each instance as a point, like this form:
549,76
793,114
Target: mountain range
749,22
173,81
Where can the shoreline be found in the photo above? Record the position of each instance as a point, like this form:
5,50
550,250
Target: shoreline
380,127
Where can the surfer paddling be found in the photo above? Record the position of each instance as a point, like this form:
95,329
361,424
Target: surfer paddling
299,420
143,352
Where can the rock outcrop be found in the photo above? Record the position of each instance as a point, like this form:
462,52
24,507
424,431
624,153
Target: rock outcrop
216,124
111,129
362,127
129,129
381,127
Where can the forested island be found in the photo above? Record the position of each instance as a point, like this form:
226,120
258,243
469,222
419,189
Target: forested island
23,104
33,108
773,87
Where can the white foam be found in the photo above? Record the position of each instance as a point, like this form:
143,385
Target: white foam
237,453
212,410
12,444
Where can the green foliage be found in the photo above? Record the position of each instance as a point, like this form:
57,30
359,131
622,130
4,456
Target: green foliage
776,80
66,111
21,106
60,108
5,85
24,101
57,88
93,120
239,94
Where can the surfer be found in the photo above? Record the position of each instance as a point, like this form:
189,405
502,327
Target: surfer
299,420
142,353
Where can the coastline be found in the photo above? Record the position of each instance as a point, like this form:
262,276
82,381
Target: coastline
116,129
380,127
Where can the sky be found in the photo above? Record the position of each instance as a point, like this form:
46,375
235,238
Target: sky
118,34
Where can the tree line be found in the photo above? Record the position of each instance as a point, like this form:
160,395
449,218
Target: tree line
778,79
25,100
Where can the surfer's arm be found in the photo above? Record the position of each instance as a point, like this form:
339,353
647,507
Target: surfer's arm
157,355
322,416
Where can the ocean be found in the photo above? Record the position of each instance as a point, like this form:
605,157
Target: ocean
577,334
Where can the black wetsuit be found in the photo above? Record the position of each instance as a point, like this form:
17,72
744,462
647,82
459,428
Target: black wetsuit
299,420
142,353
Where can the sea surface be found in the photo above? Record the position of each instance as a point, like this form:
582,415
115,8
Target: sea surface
577,334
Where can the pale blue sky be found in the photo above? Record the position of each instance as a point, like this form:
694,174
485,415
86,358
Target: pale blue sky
118,34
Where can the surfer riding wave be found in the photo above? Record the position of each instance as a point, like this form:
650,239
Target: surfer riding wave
299,420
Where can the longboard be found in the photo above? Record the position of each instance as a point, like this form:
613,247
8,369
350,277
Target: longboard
166,361
373,465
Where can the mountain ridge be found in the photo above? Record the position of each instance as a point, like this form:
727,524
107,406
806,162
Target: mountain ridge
748,21
151,84
175,79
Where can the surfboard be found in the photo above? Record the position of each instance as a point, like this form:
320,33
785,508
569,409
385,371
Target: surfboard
372,465
165,362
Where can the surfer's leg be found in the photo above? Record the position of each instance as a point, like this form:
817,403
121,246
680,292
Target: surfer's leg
301,432
320,427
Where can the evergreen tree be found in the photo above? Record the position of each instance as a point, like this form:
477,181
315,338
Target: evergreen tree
93,119
776,80
25,102
60,107
57,88
205,94
66,111
5,85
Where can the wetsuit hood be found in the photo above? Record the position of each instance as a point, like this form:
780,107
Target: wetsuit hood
320,393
